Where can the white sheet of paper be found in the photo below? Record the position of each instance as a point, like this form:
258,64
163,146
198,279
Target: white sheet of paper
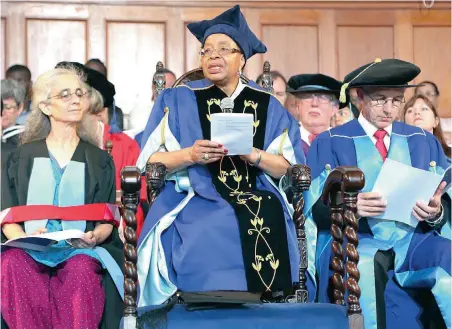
402,186
234,131
61,235
40,242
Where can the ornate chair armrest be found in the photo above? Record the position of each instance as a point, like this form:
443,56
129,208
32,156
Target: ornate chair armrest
298,179
130,186
155,180
340,194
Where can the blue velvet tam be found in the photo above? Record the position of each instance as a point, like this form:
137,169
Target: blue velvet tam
233,24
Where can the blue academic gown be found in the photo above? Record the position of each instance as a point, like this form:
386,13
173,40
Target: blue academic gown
422,259
190,240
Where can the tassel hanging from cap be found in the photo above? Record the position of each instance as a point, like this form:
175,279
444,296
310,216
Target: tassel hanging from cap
343,95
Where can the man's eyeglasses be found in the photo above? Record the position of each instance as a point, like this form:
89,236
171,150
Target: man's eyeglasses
65,95
223,51
396,102
322,98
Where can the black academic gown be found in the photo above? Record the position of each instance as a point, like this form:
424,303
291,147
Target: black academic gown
99,188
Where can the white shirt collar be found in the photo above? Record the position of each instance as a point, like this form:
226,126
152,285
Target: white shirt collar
304,134
238,89
369,128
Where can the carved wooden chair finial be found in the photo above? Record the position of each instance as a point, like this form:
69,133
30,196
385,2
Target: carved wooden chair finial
159,80
109,146
267,79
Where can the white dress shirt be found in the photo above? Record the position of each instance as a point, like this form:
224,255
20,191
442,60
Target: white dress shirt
370,130
304,134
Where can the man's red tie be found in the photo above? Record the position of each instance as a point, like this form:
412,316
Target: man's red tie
381,147
311,138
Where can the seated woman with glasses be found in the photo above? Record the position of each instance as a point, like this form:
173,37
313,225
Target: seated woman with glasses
59,164
221,222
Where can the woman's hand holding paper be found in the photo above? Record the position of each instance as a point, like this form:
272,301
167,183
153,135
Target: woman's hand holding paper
88,241
204,151
370,204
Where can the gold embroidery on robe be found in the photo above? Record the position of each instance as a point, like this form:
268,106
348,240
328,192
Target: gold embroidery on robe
257,222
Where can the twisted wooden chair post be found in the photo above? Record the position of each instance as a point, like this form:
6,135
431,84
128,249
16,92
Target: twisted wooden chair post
130,186
267,79
299,177
340,193
159,80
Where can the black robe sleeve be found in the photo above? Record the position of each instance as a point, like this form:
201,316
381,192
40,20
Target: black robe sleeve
9,178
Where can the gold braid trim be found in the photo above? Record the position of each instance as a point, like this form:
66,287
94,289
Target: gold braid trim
283,139
162,129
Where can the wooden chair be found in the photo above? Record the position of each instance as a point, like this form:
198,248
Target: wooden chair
340,193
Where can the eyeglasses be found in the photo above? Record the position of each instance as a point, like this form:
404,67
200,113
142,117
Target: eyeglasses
65,95
322,98
395,101
9,107
223,51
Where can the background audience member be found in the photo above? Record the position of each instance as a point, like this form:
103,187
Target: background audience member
22,75
13,97
96,65
419,111
342,116
430,90
140,115
279,85
291,106
317,101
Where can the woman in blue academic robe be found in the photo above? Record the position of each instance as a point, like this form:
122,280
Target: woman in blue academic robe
221,222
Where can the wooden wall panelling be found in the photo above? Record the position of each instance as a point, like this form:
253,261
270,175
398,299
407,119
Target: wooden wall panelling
3,48
49,41
175,42
292,49
97,48
192,47
133,49
292,39
358,45
432,54
362,37
328,43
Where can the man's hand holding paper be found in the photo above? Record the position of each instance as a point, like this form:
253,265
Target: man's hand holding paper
428,212
412,194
